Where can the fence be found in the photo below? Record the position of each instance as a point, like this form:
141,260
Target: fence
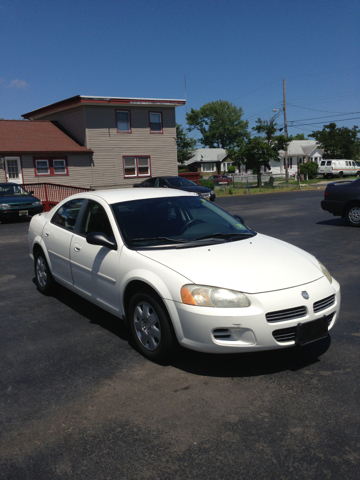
51,194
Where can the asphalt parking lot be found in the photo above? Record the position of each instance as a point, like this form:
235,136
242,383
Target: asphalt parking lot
77,402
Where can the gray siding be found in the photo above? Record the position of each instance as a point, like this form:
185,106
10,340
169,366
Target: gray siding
110,146
73,121
79,171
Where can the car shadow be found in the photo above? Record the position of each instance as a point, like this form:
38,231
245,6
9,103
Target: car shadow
247,364
335,222
253,363
91,312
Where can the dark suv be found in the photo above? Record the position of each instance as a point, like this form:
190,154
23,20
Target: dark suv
15,201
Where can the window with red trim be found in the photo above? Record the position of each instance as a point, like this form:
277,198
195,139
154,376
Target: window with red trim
137,166
155,119
50,166
123,121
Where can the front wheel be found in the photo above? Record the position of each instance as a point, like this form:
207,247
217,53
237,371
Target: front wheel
151,328
44,279
353,216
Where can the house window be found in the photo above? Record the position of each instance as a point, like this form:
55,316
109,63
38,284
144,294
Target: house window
59,167
208,167
137,167
123,121
50,166
156,122
42,167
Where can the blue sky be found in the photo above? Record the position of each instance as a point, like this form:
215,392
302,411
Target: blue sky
238,51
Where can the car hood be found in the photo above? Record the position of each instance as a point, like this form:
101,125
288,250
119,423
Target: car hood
18,199
253,265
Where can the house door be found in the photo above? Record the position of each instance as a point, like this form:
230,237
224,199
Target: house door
13,170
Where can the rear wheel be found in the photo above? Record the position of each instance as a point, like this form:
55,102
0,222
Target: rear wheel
151,328
353,215
341,174
44,279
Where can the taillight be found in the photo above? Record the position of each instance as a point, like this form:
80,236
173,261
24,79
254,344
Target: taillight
327,194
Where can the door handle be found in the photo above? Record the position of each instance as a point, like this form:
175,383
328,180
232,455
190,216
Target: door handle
46,233
77,247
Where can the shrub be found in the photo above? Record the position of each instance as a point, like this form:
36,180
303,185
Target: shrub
309,168
207,183
231,169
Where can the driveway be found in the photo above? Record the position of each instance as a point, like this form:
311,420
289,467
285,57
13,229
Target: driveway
77,402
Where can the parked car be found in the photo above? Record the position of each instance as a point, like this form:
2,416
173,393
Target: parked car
220,179
16,202
179,183
343,199
182,271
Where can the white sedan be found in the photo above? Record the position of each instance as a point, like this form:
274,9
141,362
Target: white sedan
182,271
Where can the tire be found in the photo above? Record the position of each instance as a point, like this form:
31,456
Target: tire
341,174
44,280
151,329
353,215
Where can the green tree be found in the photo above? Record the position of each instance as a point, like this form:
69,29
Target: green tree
299,136
264,146
185,145
219,123
338,142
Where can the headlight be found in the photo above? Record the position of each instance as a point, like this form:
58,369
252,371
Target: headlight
4,205
204,296
325,272
36,204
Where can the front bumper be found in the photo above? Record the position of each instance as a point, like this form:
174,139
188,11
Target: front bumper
216,330
20,212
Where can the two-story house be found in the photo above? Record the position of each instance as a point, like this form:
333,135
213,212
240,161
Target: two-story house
122,141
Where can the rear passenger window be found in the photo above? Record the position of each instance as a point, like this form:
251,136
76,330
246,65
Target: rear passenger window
328,163
67,214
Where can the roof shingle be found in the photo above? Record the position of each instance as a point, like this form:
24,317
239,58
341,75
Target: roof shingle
20,136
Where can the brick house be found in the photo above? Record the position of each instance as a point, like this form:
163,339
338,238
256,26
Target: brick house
129,139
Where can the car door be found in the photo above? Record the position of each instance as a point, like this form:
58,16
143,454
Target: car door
95,268
57,237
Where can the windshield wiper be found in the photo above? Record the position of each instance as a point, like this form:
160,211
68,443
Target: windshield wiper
162,239
225,235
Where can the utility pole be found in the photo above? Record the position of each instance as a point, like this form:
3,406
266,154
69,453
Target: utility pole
285,133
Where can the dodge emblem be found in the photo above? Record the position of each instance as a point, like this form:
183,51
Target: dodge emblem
305,295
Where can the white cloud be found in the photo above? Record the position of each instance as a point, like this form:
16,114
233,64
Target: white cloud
18,84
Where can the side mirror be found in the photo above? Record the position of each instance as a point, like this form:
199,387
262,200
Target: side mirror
241,220
98,238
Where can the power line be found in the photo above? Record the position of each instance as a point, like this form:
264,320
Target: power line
319,123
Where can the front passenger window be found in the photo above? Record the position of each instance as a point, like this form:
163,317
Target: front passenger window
96,220
67,214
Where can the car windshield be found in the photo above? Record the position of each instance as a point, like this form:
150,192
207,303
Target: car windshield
176,222
11,190
180,182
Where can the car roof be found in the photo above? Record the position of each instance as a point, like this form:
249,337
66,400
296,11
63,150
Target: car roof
128,194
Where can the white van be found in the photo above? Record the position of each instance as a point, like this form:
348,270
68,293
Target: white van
338,168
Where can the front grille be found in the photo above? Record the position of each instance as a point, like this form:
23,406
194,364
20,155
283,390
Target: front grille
21,204
284,335
324,303
284,315
221,333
